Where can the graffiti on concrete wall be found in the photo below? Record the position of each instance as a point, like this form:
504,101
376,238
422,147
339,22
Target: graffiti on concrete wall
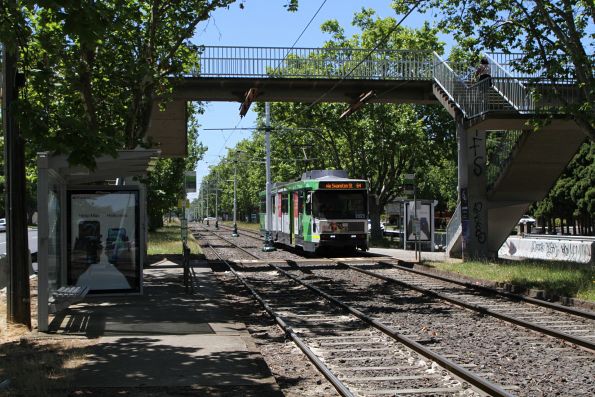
571,251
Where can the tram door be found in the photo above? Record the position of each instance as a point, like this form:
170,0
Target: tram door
294,218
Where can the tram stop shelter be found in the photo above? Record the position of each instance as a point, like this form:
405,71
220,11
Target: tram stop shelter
92,228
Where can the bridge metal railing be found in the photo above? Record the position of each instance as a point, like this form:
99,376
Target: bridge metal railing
313,63
473,99
451,83
511,88
500,146
453,228
530,89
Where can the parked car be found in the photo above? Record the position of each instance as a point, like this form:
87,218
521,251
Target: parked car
527,220
2,224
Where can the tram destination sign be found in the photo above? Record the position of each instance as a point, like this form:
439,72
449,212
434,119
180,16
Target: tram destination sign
342,185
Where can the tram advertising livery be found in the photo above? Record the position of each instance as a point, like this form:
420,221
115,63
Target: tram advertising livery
323,209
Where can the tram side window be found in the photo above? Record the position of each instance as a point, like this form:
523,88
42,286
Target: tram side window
284,202
308,203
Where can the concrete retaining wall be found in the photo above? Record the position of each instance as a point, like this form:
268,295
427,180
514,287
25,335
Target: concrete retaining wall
549,249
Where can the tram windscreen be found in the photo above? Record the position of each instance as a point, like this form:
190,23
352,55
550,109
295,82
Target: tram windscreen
339,204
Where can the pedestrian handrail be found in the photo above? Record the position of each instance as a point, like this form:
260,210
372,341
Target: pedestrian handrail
500,147
454,227
313,63
451,83
511,88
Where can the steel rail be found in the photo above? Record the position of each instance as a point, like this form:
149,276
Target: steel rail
513,297
480,309
480,383
510,296
461,372
341,388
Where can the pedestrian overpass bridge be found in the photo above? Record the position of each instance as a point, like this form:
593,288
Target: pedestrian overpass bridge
497,183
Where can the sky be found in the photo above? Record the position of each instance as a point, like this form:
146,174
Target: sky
266,23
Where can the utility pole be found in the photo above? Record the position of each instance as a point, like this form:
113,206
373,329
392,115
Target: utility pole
235,198
207,197
268,238
18,297
216,200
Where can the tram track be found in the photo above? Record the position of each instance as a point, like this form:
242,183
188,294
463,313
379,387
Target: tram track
569,324
444,327
299,309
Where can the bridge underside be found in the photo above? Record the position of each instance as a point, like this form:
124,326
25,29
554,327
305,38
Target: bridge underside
303,90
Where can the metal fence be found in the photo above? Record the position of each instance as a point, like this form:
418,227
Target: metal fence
314,63
452,229
500,146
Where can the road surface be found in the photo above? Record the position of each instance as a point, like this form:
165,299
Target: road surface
32,241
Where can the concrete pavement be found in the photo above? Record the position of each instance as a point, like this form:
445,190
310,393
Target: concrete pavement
166,338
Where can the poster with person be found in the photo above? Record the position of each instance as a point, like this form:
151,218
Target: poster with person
424,216
103,233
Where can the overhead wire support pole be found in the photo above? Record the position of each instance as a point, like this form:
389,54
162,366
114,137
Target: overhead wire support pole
268,238
235,203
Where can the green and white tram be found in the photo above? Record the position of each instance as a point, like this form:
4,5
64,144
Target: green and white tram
323,209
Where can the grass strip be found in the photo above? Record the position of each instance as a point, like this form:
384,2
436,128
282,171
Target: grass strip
168,240
564,279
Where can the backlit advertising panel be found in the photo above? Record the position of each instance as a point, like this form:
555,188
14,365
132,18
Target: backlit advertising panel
103,237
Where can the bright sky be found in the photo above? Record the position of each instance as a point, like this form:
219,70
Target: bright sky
267,23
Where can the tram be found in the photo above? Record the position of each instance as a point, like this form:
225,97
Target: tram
325,208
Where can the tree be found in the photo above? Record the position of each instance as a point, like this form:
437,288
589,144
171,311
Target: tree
552,35
573,195
93,69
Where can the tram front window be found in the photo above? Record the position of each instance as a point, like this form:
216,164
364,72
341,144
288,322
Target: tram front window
339,204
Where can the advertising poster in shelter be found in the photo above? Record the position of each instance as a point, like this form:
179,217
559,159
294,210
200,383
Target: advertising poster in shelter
103,235
425,221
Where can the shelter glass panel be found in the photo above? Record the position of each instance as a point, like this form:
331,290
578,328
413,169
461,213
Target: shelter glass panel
103,237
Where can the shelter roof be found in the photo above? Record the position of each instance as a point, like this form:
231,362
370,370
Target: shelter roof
126,164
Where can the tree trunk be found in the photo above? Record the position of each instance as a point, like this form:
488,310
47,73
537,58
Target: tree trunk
374,218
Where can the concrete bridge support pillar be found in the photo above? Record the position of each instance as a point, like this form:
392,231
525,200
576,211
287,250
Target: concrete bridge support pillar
472,191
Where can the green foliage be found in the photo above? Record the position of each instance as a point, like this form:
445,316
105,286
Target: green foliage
573,195
93,68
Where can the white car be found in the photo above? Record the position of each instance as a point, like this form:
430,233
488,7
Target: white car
2,224
527,219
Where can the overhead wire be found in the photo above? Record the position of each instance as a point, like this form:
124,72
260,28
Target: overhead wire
280,62
343,78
